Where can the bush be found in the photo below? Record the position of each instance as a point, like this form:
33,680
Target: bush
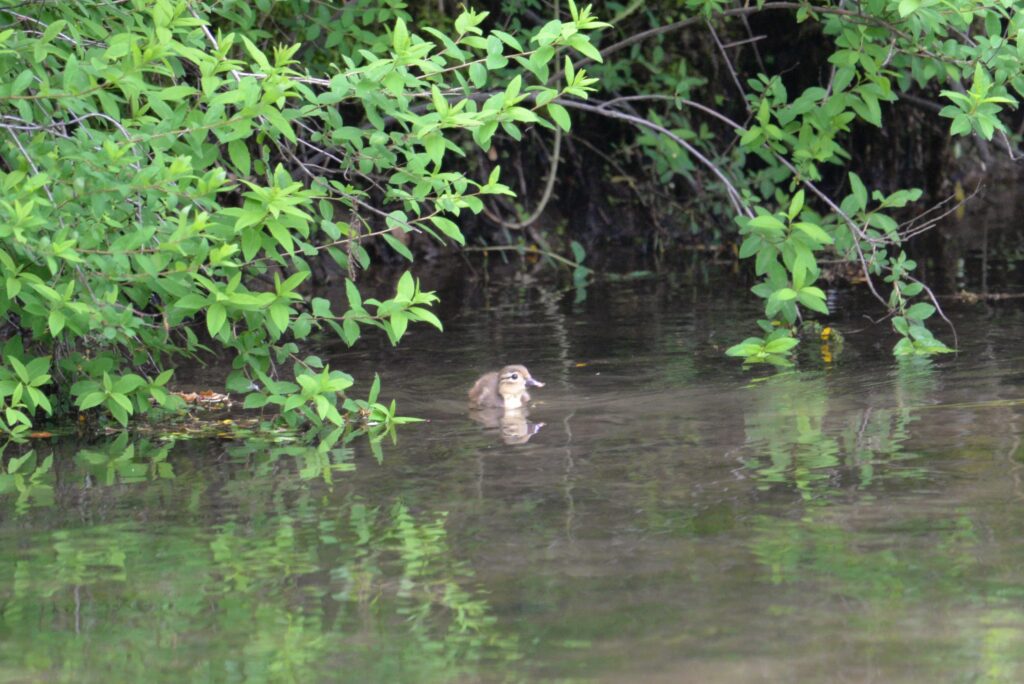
170,178
755,111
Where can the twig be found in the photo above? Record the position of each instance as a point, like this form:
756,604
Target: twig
938,307
741,12
912,230
522,251
549,187
728,64
209,37
734,195
63,36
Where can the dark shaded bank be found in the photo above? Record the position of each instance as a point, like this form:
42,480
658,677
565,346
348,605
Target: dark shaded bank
615,191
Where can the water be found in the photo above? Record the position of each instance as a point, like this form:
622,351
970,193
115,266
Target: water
675,519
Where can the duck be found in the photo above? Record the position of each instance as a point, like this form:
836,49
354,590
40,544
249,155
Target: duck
505,388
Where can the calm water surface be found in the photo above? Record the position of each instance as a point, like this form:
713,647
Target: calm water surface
662,515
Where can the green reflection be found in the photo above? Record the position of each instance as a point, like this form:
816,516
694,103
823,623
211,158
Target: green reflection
28,482
234,575
801,435
881,581
119,460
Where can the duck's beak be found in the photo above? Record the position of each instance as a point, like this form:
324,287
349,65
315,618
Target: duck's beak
530,382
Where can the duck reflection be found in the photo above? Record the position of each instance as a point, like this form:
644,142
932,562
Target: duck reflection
513,423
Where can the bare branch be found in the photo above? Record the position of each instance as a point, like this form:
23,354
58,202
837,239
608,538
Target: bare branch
549,187
734,195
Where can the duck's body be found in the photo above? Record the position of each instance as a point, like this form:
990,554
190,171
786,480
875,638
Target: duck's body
503,389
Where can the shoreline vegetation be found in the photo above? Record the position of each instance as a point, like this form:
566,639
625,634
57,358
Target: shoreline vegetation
177,178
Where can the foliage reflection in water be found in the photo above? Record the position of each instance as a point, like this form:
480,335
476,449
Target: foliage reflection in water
676,519
253,573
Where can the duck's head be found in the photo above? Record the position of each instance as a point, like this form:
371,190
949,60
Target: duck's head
512,384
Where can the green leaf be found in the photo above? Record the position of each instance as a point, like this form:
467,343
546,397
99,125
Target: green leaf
860,193
255,53
238,151
560,116
814,299
128,383
121,400
90,400
750,246
38,367
580,43
920,311
400,36
279,315
796,205
911,289
216,316
478,74
781,345
119,413
277,120
767,256
421,314
767,222
355,300
904,347
47,292
814,231
374,389
449,228
302,326
56,322
804,265
294,280
191,302
19,369
748,347
785,294
406,288
40,400
399,322
22,81
293,402
397,246
908,7
173,93
350,330
434,146
751,136
53,30
255,400
496,61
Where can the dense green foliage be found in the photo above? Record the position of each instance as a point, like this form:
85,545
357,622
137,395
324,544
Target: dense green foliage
174,173
767,137
172,176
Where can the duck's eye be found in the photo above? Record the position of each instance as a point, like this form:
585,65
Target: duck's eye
515,376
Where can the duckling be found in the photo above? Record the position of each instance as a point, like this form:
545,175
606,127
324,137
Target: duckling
503,389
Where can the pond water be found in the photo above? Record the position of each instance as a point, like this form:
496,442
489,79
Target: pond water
662,515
